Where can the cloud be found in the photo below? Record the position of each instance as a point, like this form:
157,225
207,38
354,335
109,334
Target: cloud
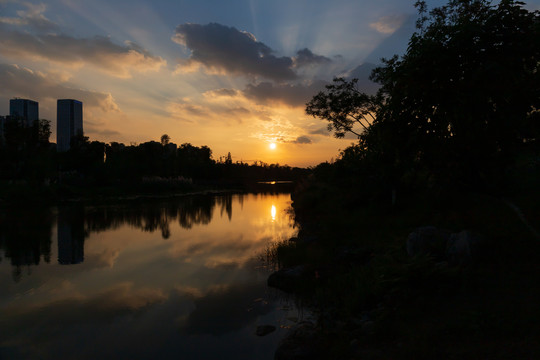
33,17
102,132
225,106
98,51
396,43
24,82
295,95
302,140
221,93
225,49
184,110
389,24
305,57
320,131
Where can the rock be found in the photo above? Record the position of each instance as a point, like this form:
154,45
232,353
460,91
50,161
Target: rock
428,240
301,342
286,279
263,330
460,247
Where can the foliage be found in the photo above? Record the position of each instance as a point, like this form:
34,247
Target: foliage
345,107
26,152
165,139
458,106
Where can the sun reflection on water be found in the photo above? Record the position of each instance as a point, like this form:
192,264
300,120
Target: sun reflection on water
273,212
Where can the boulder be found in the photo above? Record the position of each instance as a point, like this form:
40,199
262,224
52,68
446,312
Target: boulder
428,240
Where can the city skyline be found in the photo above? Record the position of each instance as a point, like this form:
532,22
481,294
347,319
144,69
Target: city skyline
233,76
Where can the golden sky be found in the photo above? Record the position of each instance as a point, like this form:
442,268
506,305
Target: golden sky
233,75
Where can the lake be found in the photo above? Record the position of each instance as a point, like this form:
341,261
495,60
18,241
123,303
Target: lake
148,278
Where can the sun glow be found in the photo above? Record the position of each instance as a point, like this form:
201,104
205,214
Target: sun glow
272,146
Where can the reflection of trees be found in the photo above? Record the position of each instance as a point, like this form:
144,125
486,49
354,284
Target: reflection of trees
226,205
152,215
25,237
25,234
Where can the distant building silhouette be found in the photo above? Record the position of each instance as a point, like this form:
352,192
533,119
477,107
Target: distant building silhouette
24,109
69,122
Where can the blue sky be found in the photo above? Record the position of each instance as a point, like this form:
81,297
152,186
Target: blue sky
233,75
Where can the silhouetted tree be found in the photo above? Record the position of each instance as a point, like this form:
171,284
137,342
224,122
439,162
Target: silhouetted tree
26,152
457,105
165,139
465,87
345,107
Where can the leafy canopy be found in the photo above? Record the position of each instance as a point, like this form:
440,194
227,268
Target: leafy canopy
462,99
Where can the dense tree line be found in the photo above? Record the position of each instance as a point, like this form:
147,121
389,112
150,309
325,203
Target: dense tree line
26,155
458,110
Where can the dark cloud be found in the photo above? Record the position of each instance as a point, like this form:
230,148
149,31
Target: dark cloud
293,95
302,140
23,82
118,60
227,49
305,57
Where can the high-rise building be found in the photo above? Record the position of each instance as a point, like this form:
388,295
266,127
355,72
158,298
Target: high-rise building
69,122
24,109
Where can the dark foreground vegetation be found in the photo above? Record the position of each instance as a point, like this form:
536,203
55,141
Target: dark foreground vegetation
421,241
32,169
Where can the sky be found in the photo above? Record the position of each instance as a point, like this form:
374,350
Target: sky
232,75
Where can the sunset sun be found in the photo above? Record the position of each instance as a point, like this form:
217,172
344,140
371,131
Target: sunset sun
272,146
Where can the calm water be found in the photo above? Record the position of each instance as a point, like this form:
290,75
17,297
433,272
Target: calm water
143,279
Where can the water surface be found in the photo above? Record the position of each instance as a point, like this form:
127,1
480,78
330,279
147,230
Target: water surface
178,278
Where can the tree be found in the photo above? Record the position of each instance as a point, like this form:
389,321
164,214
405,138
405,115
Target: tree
459,103
165,139
345,107
41,132
466,85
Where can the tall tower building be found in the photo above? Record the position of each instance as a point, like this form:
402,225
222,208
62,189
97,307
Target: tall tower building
69,122
24,109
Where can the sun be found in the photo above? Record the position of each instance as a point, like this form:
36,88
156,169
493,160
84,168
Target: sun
272,146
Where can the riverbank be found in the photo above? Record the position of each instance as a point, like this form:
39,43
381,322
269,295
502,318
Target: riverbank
378,299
